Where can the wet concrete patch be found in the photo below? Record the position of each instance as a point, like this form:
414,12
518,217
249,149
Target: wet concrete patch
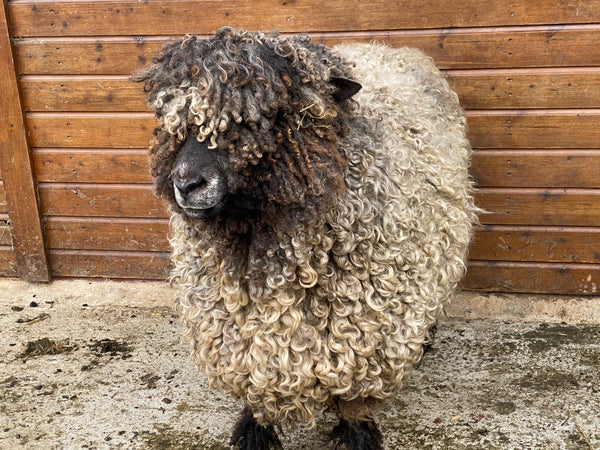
45,346
171,439
551,336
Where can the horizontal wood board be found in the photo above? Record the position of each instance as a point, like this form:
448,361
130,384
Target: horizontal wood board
109,234
558,207
537,168
491,48
85,263
540,278
89,200
477,89
511,129
72,18
91,165
496,242
536,244
491,168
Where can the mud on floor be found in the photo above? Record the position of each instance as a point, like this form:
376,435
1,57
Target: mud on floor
74,376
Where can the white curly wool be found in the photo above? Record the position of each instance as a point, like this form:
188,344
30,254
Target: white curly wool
343,324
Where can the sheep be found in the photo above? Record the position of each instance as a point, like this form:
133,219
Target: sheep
321,210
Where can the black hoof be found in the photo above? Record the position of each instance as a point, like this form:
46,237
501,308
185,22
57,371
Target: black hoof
356,436
249,435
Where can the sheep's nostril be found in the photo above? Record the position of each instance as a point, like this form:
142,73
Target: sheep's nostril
187,186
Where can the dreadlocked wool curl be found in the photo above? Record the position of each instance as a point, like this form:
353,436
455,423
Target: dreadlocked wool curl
320,291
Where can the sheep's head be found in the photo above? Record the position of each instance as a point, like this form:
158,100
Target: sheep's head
248,123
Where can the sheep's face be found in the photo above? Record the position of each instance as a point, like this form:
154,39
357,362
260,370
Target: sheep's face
248,122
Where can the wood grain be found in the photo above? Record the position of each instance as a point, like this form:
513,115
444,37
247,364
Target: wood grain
98,233
77,18
541,278
82,93
91,166
91,130
477,89
536,244
15,160
544,207
527,88
545,129
487,129
86,200
536,168
104,264
491,48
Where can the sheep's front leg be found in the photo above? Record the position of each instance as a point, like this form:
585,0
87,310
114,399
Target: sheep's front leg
356,430
248,434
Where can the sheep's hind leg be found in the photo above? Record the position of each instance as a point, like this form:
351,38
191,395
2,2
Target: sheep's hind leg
248,434
356,436
357,430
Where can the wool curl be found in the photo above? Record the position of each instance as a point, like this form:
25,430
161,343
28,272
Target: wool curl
322,300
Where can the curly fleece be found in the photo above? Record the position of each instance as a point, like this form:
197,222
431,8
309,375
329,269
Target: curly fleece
328,302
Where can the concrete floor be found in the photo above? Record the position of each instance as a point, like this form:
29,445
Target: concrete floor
88,365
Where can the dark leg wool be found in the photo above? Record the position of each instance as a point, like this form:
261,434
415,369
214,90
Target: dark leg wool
356,436
429,343
249,435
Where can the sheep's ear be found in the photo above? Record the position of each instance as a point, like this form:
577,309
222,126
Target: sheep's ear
345,88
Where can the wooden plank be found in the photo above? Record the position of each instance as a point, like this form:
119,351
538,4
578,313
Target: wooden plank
487,129
91,130
91,166
95,233
77,55
549,244
541,278
87,263
82,93
534,129
536,168
477,89
88,200
491,168
15,160
527,88
492,48
76,18
8,263
549,207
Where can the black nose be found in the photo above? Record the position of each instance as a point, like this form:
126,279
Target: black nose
199,184
186,185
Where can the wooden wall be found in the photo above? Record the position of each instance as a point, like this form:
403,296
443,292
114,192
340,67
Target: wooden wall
527,73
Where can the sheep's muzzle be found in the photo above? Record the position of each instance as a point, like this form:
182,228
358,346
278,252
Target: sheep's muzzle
199,184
